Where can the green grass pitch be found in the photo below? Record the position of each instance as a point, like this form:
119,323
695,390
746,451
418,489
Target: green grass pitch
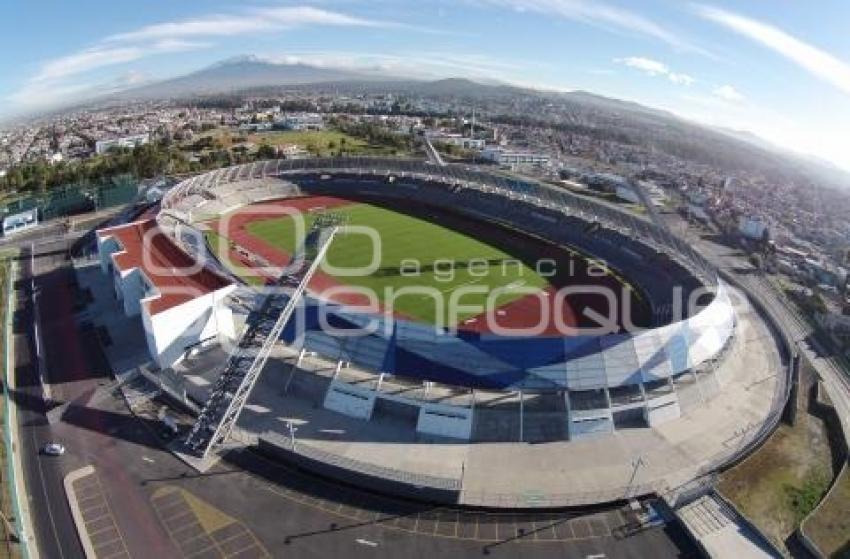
404,237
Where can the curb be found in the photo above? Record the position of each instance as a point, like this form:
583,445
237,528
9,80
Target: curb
71,494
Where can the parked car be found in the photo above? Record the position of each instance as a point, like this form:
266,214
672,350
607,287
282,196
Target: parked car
53,449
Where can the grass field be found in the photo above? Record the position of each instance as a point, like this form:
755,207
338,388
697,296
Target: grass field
325,142
322,142
829,527
404,237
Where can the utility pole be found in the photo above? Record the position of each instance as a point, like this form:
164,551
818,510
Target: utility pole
636,463
292,429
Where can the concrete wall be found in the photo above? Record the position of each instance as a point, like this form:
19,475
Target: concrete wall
446,421
350,400
171,332
132,289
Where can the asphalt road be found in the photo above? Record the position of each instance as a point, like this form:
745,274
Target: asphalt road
51,520
824,361
246,505
100,433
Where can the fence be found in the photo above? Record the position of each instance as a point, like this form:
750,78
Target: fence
13,507
78,198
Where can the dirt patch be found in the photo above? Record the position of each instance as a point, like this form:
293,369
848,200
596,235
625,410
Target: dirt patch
778,485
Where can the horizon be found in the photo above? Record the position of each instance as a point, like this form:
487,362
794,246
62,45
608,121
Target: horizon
719,65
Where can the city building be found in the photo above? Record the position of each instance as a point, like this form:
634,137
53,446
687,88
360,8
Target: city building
300,121
256,126
513,158
103,146
752,227
458,140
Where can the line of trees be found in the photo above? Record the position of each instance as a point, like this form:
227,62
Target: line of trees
146,161
164,157
374,134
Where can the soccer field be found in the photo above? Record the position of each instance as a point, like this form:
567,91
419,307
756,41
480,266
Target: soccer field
413,253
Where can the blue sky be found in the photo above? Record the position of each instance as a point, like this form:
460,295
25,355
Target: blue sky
780,69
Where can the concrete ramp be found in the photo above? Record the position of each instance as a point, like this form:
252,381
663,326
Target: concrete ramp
722,532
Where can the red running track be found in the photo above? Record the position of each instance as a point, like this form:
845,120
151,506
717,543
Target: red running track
524,314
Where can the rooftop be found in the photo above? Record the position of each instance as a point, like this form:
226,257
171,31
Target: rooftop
176,276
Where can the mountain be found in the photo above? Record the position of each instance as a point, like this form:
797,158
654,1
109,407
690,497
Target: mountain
244,72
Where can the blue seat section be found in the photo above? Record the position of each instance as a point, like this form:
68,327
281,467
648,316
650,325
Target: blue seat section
416,350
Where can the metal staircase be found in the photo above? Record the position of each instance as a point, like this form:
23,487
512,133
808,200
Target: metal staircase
264,326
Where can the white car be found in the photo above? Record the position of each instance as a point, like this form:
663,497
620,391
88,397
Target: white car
54,449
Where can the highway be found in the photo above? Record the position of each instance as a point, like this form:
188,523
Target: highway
52,523
835,378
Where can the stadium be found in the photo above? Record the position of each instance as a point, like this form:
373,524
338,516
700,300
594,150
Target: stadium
577,324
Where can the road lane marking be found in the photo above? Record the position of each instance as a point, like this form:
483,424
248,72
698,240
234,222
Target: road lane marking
369,543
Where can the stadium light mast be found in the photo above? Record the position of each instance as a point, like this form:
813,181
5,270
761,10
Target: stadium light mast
264,326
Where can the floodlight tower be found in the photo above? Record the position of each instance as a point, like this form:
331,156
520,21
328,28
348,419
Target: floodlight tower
263,329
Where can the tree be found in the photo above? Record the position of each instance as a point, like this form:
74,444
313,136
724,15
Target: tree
313,149
265,151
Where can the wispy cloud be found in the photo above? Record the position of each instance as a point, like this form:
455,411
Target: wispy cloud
250,21
655,68
814,60
728,93
69,77
100,56
605,16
